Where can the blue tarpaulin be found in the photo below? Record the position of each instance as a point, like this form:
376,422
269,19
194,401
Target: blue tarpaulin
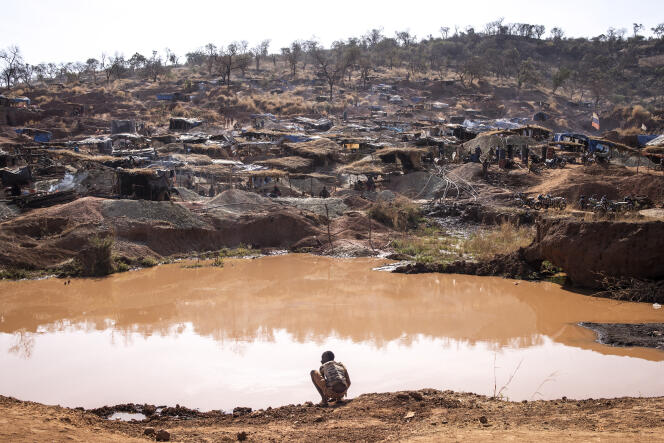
297,138
643,139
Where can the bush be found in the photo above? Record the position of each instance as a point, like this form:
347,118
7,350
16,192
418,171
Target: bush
486,243
400,215
96,259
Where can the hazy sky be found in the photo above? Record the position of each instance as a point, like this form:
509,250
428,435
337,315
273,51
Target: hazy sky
74,30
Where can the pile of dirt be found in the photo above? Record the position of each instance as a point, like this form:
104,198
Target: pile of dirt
613,182
649,335
418,185
46,238
590,251
236,200
335,206
188,195
469,172
424,415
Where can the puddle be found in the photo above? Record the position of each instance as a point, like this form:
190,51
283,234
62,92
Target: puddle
127,416
249,333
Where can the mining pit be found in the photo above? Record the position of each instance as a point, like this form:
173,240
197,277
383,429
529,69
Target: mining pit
248,333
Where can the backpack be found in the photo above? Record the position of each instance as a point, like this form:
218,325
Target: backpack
335,376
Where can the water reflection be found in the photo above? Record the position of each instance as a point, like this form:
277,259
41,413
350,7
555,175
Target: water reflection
313,298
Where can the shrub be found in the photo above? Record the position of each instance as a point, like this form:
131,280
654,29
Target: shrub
96,258
400,215
506,238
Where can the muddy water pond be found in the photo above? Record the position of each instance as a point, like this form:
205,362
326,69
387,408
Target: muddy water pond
249,333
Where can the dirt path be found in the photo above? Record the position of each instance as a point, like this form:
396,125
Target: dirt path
425,415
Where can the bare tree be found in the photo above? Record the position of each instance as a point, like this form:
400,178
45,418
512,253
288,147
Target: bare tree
444,32
261,50
637,27
292,55
331,65
211,53
92,65
226,60
557,33
11,61
154,67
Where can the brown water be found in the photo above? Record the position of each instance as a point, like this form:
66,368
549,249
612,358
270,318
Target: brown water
248,334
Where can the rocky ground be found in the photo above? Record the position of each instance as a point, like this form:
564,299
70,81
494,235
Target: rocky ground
650,335
425,415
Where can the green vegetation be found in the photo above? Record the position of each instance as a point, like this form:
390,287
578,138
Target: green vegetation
15,274
428,249
147,262
506,238
240,251
96,258
434,245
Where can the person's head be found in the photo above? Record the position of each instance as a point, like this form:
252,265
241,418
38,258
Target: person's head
327,356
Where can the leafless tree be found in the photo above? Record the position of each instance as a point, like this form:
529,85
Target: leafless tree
444,32
211,54
92,65
331,65
11,62
261,50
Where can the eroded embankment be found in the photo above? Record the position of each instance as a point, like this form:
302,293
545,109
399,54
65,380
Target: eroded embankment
45,238
408,416
610,256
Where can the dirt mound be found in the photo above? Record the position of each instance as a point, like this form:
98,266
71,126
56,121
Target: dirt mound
587,251
356,202
610,169
424,415
615,184
469,171
236,200
418,185
335,206
45,238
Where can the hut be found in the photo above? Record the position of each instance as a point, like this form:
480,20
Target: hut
144,184
291,164
183,124
322,151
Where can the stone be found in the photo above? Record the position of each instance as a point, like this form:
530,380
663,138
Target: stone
241,436
149,431
483,420
163,435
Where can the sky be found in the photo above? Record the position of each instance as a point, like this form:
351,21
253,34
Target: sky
75,30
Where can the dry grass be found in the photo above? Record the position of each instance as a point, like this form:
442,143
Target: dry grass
399,214
433,247
504,239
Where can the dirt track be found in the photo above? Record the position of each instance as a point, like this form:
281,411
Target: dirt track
436,416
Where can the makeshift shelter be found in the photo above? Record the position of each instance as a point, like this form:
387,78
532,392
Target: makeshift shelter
321,150
144,184
322,124
183,124
409,158
38,135
123,126
103,145
290,164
